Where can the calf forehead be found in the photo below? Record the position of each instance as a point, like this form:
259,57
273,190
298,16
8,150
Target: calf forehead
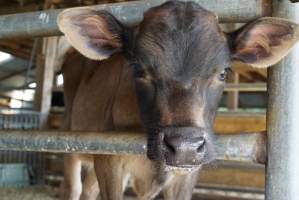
181,39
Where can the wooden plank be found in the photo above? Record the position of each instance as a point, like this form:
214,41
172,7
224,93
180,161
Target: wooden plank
5,10
233,176
45,78
17,47
262,72
230,124
233,96
250,73
20,53
246,87
224,124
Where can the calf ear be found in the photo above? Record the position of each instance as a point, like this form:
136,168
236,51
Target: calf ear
264,42
95,34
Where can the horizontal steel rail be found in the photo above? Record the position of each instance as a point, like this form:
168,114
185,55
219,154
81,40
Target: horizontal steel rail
43,23
243,147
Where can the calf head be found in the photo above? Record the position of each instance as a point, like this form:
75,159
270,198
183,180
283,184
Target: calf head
180,58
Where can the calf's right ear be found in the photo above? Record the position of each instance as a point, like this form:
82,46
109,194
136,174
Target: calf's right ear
264,42
95,34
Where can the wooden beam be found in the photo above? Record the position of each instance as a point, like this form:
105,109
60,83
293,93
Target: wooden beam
44,79
224,124
262,72
249,72
233,96
5,10
246,87
230,124
24,54
17,47
233,175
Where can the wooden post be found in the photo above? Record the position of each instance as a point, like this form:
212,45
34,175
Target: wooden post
233,97
45,77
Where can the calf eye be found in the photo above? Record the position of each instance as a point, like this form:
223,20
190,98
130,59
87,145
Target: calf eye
223,75
138,71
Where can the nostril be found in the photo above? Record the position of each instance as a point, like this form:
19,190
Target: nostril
200,144
168,145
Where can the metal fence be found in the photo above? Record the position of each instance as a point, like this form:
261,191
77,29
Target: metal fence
283,126
34,160
19,121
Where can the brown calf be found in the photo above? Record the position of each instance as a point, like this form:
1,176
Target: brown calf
166,77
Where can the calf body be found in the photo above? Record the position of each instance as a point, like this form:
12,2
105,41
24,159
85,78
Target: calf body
165,77
95,103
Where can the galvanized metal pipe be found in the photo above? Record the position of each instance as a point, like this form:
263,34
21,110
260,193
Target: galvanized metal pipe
244,147
43,23
283,118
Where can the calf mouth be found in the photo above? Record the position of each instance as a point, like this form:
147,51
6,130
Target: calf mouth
182,168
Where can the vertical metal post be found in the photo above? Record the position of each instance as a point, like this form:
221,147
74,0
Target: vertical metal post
283,118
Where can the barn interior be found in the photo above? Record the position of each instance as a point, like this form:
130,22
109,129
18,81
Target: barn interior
31,98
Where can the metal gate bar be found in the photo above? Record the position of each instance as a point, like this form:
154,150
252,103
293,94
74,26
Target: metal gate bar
243,147
283,109
34,160
283,118
43,23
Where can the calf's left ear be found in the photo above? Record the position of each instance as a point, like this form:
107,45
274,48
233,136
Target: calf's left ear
263,42
95,34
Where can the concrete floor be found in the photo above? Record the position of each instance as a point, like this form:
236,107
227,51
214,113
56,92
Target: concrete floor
29,193
50,193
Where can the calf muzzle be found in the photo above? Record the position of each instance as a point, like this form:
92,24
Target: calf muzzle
184,146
